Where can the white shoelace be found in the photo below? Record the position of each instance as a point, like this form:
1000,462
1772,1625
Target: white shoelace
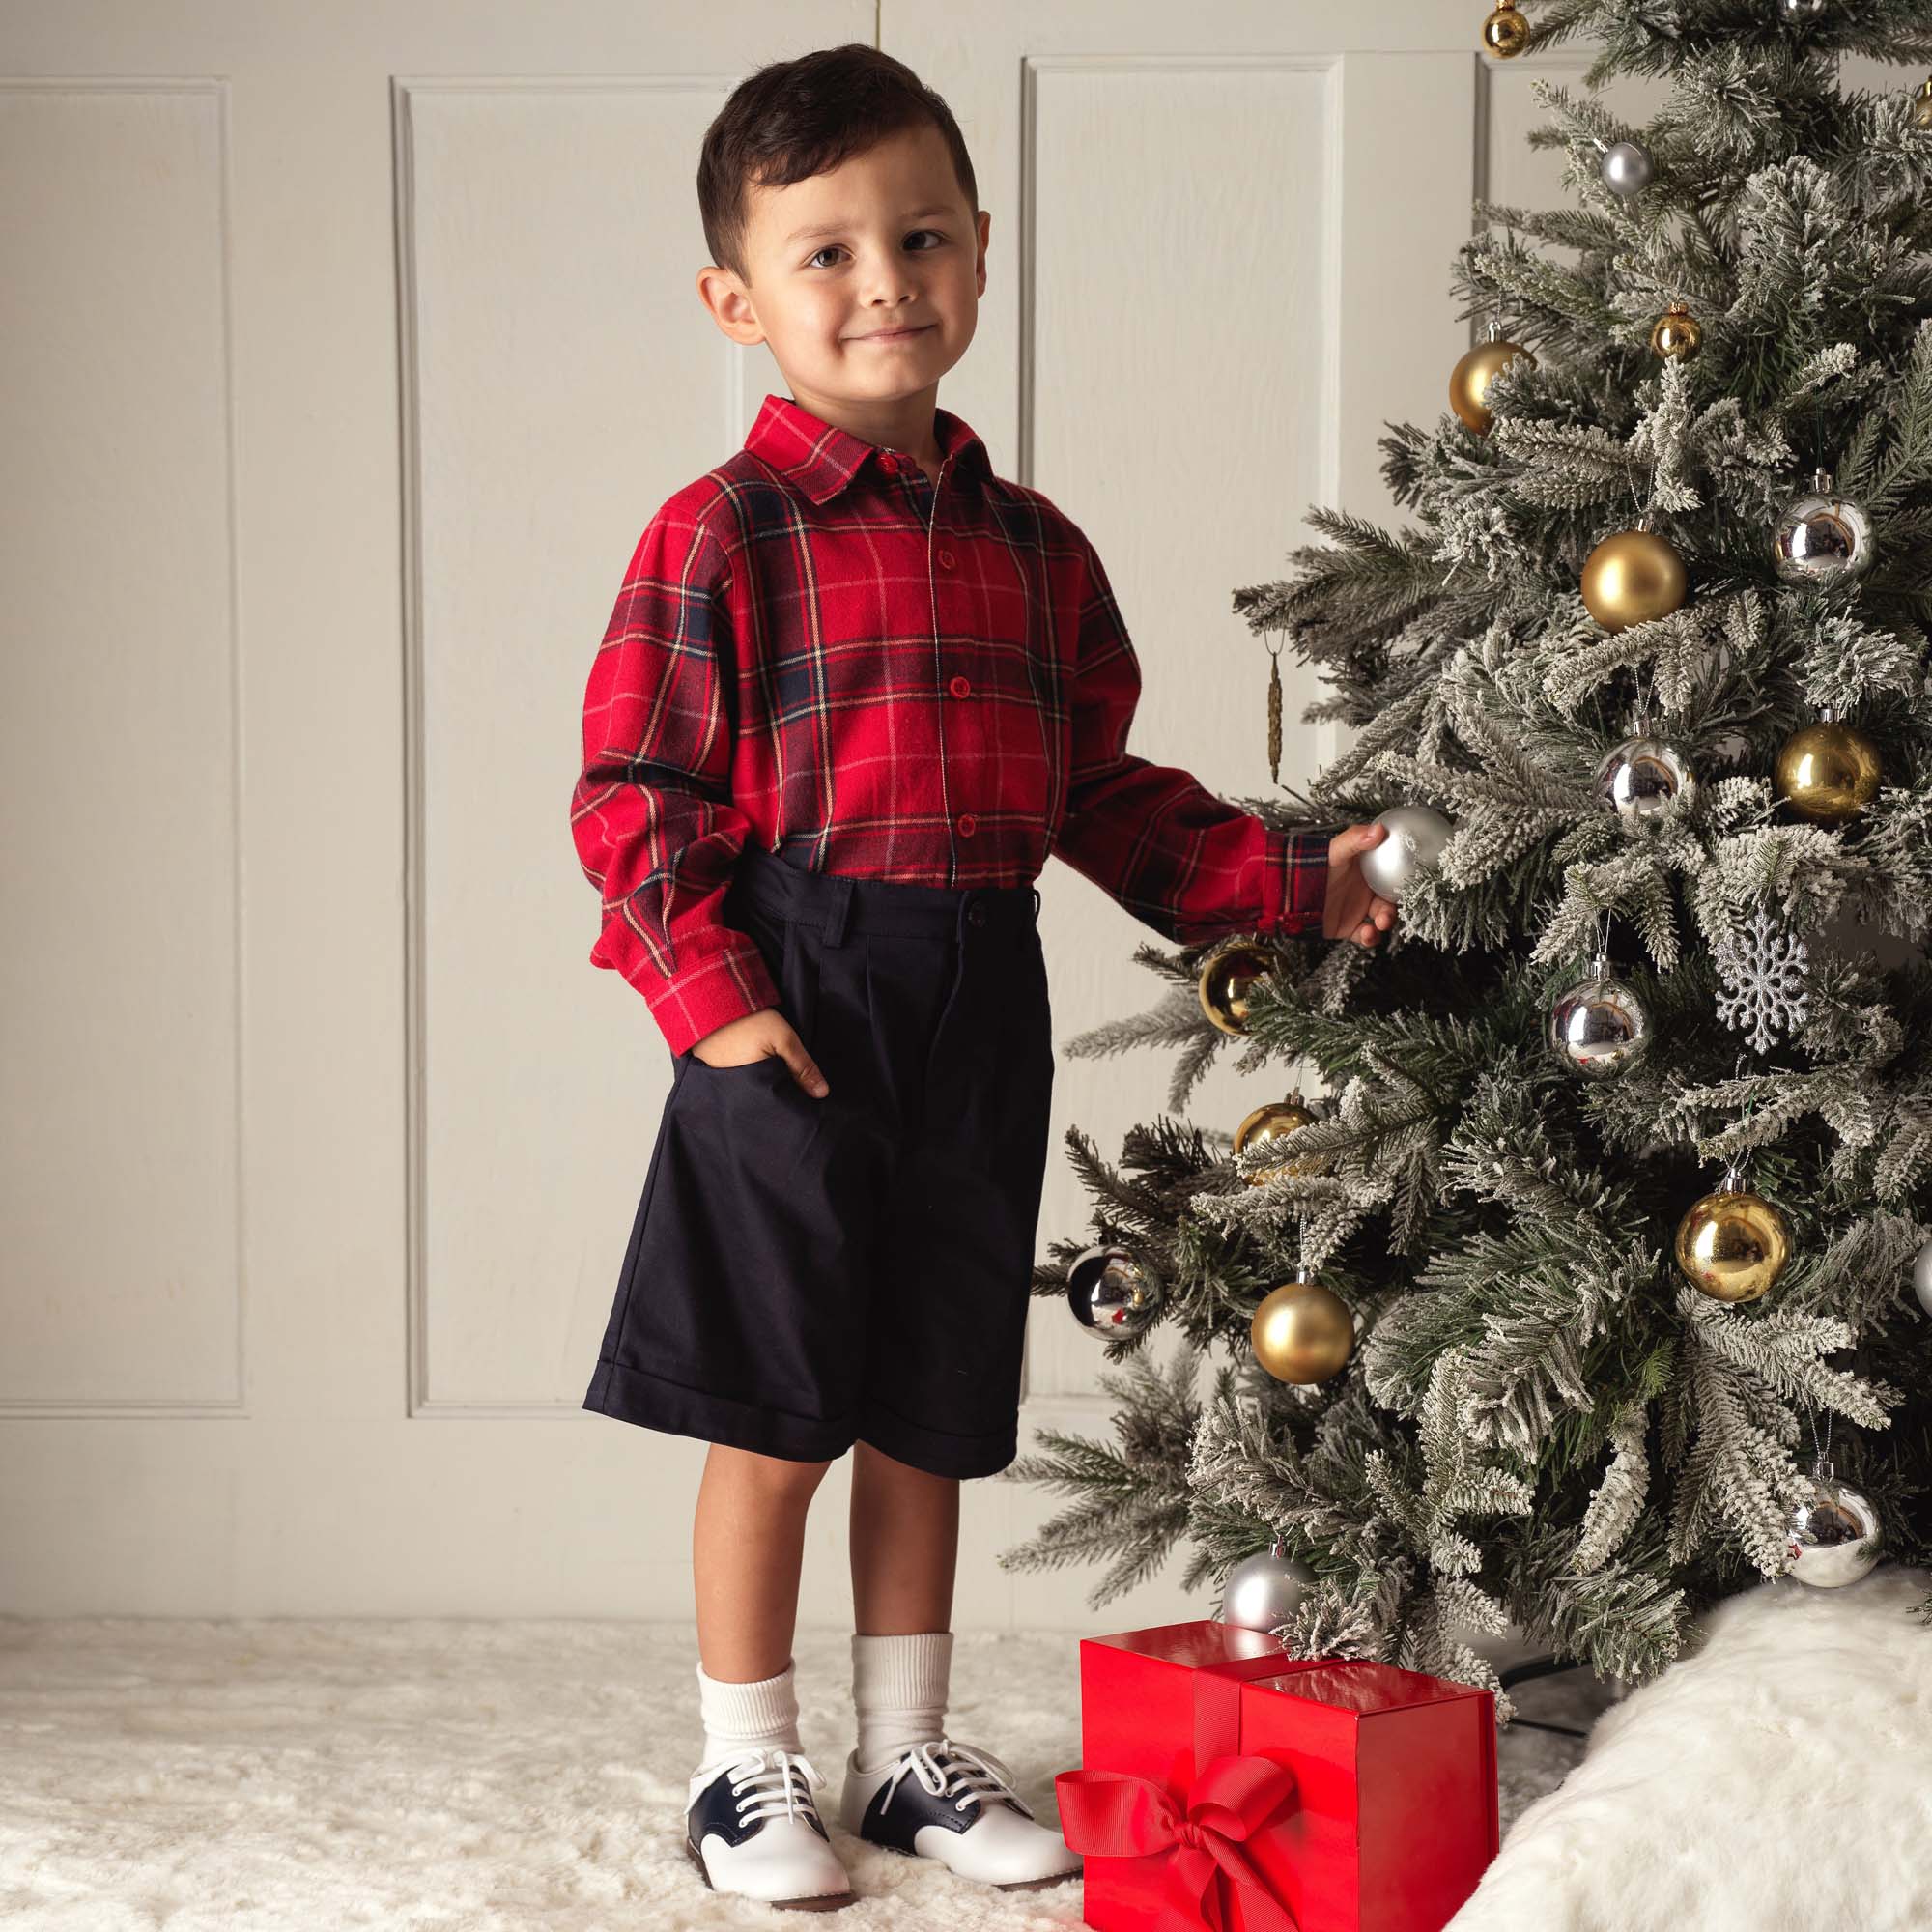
945,1768
776,1783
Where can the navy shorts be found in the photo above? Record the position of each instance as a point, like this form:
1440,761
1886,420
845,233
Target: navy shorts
803,1273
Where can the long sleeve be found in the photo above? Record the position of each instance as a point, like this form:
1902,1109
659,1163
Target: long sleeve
1183,860
651,811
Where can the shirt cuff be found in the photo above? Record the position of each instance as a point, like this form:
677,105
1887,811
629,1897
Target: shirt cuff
1295,886
720,988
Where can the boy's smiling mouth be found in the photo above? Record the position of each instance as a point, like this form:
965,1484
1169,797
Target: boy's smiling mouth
892,334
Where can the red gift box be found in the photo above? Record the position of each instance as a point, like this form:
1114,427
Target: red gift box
1226,1786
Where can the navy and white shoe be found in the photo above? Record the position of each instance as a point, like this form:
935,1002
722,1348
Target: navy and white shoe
947,1800
752,1827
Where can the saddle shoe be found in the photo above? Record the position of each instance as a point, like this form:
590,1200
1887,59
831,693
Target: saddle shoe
942,1799
752,1827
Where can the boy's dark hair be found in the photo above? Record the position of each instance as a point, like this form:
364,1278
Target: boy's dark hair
795,119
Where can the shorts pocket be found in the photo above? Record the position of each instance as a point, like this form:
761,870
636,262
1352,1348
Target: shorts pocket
741,1066
798,982
1045,1009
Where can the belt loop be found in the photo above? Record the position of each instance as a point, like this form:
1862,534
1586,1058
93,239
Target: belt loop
1035,902
840,909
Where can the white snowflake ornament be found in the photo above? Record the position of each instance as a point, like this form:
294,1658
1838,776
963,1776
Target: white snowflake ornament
1763,971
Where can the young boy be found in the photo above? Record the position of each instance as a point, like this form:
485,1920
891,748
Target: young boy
856,687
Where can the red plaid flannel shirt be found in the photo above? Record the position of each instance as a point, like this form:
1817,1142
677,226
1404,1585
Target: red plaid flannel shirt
817,648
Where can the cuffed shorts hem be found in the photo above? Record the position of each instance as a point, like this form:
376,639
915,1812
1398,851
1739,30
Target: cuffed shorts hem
650,1402
933,1450
634,1395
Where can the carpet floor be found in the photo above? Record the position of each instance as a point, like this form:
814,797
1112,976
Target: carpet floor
446,1775
449,1775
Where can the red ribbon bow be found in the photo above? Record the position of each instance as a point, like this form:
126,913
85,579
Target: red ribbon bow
1116,1814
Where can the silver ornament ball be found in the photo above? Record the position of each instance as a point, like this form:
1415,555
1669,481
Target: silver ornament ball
1265,1590
1833,1535
1921,1277
1641,776
1599,1026
1822,538
1416,836
1113,1293
1624,167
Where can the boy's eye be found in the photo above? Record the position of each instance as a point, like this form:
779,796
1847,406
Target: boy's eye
832,247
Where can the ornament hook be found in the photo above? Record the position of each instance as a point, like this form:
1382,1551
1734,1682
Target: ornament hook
1821,1454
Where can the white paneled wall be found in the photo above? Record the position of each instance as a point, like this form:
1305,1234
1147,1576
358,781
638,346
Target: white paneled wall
348,349
118,754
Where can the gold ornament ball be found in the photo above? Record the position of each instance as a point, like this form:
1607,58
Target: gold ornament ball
1921,107
1303,1332
1469,381
1275,1121
1677,334
1827,772
1733,1244
1505,33
1630,578
1225,975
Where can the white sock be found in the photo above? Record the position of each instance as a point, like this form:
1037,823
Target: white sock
743,1717
898,1689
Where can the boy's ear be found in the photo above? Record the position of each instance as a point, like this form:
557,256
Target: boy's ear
730,304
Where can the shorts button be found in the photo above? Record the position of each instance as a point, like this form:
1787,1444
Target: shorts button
960,686
977,913
966,824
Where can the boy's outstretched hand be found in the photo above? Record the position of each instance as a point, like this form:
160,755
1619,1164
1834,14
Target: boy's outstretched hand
1354,909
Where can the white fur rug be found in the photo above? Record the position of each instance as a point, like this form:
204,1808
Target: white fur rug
444,1776
1780,1780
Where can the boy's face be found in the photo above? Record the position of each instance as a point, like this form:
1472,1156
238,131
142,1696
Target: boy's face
899,248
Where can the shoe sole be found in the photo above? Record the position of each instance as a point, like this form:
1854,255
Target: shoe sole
817,1901
998,1885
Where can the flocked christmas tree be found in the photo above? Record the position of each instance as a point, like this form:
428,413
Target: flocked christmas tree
1597,1286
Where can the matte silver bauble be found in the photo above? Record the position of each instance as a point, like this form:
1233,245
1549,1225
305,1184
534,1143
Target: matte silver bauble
1641,776
1113,1293
1833,1535
1921,1277
1624,167
1823,537
1416,836
1599,1026
1264,1591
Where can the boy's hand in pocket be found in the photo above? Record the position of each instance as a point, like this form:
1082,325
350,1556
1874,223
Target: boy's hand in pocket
755,1036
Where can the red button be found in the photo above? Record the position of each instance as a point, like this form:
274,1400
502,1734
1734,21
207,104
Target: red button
888,462
946,557
960,686
966,824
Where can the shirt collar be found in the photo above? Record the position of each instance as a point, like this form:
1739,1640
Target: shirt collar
822,459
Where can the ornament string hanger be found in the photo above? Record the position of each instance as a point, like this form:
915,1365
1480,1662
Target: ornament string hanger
1821,1453
1643,508
1646,698
1737,1163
